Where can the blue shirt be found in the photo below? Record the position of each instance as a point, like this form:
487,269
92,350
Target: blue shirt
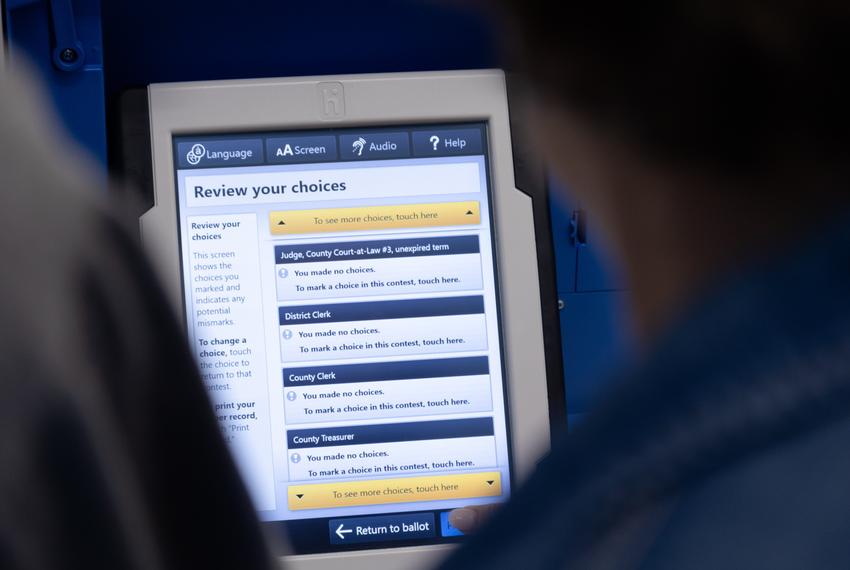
726,447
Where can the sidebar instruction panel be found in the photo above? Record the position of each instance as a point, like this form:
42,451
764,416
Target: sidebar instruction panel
341,298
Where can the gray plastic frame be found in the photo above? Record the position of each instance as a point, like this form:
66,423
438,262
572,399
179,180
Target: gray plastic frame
219,107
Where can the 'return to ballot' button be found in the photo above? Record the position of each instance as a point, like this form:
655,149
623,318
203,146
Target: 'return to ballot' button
376,529
375,218
404,490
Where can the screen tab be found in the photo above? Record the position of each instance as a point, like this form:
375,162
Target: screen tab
296,149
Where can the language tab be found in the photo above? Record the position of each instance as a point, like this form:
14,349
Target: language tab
213,153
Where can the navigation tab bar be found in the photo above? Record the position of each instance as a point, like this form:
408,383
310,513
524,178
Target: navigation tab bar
330,145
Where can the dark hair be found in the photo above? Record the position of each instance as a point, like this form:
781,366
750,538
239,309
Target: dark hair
738,85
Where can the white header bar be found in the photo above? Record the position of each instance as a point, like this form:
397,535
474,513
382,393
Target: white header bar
348,183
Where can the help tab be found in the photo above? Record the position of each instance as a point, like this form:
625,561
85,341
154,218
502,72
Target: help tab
455,143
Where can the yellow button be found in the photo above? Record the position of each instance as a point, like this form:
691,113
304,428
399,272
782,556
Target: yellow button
404,490
375,218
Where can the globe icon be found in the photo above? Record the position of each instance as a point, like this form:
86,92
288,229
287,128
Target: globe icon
195,154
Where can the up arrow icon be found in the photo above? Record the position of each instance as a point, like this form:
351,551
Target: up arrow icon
341,532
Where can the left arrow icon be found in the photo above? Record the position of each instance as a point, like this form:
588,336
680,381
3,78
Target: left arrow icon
341,532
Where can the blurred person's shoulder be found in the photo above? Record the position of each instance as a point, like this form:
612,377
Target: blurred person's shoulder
71,265
41,165
63,349
724,448
67,252
107,438
53,210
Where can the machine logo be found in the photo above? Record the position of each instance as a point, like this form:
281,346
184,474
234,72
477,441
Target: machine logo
331,100
357,146
196,153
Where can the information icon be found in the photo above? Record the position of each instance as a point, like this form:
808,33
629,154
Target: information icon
295,458
291,396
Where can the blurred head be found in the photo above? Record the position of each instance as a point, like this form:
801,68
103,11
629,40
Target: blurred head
692,131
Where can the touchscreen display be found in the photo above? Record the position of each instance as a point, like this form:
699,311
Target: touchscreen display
342,303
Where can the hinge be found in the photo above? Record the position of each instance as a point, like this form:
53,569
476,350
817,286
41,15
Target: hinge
68,52
578,229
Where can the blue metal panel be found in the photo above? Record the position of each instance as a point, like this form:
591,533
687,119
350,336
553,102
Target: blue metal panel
595,271
594,338
582,265
593,325
76,85
189,40
164,40
566,255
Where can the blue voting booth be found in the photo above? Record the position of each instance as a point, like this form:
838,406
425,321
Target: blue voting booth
90,54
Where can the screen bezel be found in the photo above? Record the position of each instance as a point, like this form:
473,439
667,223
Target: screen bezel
374,101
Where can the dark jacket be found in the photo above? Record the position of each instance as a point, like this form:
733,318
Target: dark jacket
727,447
110,456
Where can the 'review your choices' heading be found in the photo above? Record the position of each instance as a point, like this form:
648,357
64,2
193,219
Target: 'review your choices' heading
387,180
255,192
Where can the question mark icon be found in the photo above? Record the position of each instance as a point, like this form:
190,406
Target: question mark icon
435,140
